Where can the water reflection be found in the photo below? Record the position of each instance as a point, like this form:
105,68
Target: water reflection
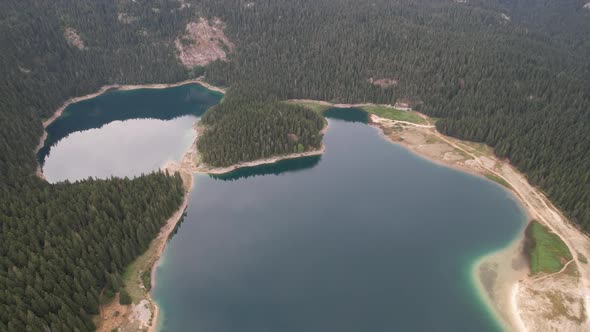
278,168
120,148
347,114
160,104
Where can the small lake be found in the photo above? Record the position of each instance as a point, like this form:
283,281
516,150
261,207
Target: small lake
367,237
123,133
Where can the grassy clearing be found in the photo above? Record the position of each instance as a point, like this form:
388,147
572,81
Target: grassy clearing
136,277
316,107
546,251
498,179
395,114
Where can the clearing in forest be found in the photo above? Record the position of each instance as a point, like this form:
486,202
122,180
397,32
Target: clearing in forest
203,42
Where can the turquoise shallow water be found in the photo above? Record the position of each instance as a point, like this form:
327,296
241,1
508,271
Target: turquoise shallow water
367,237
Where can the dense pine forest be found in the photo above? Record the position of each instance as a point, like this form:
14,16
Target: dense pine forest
514,74
280,128
58,257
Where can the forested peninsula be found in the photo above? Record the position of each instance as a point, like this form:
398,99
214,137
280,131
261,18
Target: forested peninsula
252,130
502,73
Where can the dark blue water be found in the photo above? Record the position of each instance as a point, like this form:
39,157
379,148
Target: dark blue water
367,237
123,133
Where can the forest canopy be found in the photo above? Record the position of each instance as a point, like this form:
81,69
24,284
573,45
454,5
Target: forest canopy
513,74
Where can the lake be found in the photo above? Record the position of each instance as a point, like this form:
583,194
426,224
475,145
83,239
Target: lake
367,237
123,133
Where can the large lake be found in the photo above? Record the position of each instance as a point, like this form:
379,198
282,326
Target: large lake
367,237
